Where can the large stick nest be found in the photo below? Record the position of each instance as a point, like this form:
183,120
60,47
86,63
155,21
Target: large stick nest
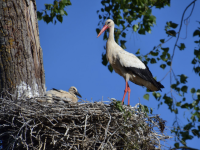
36,124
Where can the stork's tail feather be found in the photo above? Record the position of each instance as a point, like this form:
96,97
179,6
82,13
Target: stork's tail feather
159,86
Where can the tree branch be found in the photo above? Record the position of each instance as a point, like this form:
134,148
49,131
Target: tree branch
181,27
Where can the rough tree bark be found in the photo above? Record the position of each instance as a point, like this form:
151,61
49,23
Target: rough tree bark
21,60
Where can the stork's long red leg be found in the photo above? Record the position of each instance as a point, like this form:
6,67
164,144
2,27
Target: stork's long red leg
125,91
129,92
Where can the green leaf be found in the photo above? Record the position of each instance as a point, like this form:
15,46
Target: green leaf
175,111
193,90
188,126
168,101
141,31
60,18
53,14
48,6
169,63
110,68
186,105
183,78
186,136
61,5
197,41
194,61
196,32
108,8
146,96
182,47
104,60
97,30
66,2
56,10
144,108
39,15
152,18
184,89
197,53
194,103
178,104
158,95
165,49
47,19
163,57
118,105
172,33
62,12
138,51
173,25
100,16
176,145
162,40
153,61
162,66
154,53
173,86
151,110
123,44
123,34
196,132
196,69
105,37
198,92
135,27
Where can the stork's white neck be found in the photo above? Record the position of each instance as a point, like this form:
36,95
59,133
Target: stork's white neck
111,33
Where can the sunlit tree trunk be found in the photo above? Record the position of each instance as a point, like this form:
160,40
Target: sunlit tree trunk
21,60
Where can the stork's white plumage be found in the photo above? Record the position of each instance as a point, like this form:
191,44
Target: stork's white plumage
128,65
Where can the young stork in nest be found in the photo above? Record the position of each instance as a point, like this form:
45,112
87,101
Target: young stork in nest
66,96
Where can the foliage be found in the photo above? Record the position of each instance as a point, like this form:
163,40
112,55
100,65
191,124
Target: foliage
142,108
124,13
54,11
196,60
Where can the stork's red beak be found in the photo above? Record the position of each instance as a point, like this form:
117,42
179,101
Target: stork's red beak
102,30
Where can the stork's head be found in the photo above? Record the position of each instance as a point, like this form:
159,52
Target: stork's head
109,23
74,90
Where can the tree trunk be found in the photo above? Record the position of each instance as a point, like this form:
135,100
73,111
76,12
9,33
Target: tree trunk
21,60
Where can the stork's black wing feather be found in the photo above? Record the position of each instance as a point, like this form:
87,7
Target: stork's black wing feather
55,90
146,75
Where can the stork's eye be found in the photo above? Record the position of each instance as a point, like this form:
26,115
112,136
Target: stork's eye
108,22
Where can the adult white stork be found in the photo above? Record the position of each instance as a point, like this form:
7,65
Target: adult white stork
128,65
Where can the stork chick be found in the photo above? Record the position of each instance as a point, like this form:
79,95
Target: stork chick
70,96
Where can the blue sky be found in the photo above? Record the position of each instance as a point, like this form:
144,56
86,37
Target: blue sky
72,56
